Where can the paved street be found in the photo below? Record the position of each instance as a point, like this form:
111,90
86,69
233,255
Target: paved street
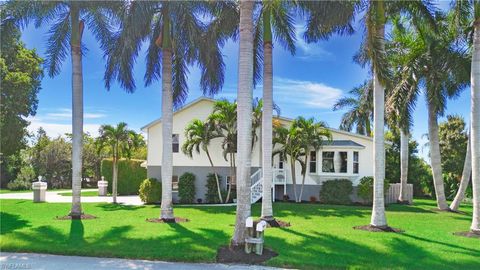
36,261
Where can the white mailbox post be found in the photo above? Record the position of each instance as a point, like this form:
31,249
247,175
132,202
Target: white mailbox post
39,190
254,238
102,187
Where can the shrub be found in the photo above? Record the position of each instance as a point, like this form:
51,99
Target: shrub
211,196
186,188
130,175
365,188
24,180
150,191
313,199
336,191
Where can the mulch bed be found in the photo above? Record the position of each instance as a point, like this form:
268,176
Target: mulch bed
276,223
227,254
468,234
83,216
371,228
161,220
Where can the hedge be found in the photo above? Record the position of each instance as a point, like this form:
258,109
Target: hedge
130,175
186,188
336,191
150,191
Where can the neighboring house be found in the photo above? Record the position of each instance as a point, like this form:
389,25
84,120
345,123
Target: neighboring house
347,156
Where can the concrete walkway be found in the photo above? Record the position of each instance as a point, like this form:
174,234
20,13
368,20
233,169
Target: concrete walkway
54,196
36,261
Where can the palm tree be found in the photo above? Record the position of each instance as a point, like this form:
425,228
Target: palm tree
291,145
176,38
224,118
244,117
312,135
467,13
121,142
198,136
360,106
276,20
67,20
466,174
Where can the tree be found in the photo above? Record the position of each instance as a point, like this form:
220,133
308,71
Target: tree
373,52
120,141
224,118
312,135
20,75
444,68
67,21
244,118
465,180
360,106
468,18
291,145
198,136
177,37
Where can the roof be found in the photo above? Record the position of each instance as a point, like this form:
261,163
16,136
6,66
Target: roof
188,105
343,143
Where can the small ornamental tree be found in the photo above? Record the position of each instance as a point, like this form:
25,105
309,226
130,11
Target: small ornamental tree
186,188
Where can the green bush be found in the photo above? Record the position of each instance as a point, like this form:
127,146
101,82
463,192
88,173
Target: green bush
24,179
336,191
130,175
150,191
186,188
211,196
365,188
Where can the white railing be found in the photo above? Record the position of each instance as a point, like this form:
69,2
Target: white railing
257,186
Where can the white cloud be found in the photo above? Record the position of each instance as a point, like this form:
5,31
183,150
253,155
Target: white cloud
63,113
304,93
309,51
54,129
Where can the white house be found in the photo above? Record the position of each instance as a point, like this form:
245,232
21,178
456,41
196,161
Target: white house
348,156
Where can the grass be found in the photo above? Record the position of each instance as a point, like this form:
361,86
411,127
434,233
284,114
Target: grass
321,236
6,191
93,193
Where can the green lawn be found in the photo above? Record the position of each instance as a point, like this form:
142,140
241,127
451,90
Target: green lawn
5,191
321,236
93,193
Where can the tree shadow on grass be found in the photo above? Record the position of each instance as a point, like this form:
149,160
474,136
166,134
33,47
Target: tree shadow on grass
118,206
11,222
171,242
320,250
309,211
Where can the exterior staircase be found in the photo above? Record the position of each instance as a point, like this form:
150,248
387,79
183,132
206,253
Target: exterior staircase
257,186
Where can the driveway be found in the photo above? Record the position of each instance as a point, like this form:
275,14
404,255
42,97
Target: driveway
54,196
36,261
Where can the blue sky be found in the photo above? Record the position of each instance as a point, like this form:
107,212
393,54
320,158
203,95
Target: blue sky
305,84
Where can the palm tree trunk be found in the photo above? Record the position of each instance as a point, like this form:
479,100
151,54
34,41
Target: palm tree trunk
166,211
378,209
304,173
232,172
475,119
467,171
435,159
403,166
77,113
115,180
216,176
267,132
294,180
244,116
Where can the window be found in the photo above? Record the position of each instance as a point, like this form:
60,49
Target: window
343,158
355,162
230,180
327,162
175,143
313,162
280,162
175,183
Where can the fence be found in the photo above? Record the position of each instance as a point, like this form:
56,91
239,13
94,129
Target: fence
394,192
